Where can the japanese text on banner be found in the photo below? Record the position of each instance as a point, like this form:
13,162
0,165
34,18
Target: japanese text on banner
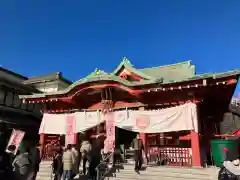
70,130
110,128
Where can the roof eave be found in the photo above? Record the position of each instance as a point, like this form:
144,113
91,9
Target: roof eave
20,86
13,73
123,82
47,78
81,82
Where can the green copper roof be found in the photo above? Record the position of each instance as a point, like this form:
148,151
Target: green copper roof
127,65
173,73
99,75
168,73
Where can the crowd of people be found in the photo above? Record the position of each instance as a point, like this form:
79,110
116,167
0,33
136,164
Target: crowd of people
24,165
66,162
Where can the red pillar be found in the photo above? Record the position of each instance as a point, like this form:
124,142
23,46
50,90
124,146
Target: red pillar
42,143
144,136
70,138
75,138
144,139
196,158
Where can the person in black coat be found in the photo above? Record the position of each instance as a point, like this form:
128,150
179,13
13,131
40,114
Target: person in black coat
58,164
95,155
5,160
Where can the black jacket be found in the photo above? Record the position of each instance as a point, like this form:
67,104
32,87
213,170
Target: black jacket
224,174
137,144
57,164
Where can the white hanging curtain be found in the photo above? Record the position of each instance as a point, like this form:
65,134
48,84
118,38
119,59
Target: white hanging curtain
57,124
53,124
179,118
87,120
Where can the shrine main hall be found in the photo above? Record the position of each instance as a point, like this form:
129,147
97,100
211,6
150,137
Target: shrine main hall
176,111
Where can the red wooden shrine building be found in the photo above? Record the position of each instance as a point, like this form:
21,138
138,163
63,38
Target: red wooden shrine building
149,89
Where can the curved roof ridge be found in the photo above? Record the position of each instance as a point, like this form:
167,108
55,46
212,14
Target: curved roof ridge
127,64
91,78
169,65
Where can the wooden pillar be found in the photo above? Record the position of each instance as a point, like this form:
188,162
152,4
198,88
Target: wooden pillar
144,136
196,158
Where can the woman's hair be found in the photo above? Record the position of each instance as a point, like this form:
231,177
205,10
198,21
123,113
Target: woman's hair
69,147
59,149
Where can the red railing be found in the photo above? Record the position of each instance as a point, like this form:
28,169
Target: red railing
171,156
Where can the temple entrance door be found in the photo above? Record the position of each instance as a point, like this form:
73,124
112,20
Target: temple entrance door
122,144
124,137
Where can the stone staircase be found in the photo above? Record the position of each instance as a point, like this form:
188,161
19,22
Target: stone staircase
150,172
165,173
45,171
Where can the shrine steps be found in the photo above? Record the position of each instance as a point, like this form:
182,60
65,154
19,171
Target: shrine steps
151,172
165,173
45,171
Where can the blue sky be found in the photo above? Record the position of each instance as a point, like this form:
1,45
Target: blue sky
77,36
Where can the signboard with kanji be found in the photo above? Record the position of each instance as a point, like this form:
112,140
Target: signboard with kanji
70,130
110,131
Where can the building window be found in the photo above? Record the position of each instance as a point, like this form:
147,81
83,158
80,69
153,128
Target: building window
16,101
9,99
2,96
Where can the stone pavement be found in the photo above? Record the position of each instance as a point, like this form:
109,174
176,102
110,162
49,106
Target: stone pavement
153,173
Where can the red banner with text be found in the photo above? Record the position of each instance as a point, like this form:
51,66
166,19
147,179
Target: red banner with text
70,137
110,131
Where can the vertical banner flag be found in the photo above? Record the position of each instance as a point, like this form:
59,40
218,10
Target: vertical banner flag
16,139
110,131
70,130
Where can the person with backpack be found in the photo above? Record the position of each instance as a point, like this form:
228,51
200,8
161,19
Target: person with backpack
85,149
57,164
22,165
